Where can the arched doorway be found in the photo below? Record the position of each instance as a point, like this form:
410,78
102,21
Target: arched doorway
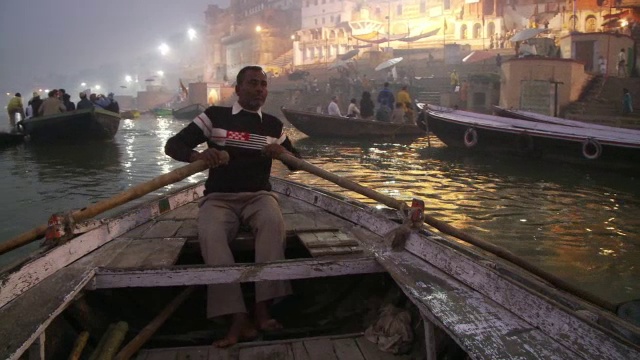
573,23
491,29
477,31
590,24
463,32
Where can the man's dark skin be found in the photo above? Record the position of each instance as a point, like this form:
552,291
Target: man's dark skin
252,93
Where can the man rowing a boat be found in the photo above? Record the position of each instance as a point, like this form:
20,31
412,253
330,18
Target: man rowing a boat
241,143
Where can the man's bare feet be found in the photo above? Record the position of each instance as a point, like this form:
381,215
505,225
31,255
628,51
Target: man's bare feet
241,329
264,321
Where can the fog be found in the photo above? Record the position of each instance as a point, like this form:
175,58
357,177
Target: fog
53,44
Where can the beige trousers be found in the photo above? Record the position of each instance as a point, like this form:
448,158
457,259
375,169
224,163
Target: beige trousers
219,218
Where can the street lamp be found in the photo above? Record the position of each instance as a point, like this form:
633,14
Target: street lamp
128,78
258,28
97,87
164,49
81,84
160,73
191,34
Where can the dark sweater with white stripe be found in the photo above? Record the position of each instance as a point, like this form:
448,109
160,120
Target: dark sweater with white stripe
242,135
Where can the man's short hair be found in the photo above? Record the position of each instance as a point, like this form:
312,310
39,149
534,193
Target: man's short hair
386,84
244,70
83,95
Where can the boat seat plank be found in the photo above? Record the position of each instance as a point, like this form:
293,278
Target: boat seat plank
184,212
166,228
347,349
154,252
25,318
188,229
320,349
268,352
334,347
326,243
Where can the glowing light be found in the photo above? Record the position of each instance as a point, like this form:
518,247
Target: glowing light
128,78
160,73
46,90
258,28
8,94
82,84
97,87
164,49
293,37
191,33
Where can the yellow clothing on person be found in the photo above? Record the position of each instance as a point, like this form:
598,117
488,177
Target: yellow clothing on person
454,79
404,98
15,104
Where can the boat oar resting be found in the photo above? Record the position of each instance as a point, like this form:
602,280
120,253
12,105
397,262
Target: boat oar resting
449,230
107,204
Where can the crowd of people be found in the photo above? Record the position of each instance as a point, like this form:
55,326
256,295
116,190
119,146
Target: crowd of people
57,101
396,109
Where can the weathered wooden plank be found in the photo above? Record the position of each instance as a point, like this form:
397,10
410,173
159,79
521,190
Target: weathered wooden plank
149,253
185,212
321,349
37,350
431,351
292,206
370,351
299,351
35,309
189,229
222,354
194,353
332,250
203,274
269,352
305,222
583,336
326,238
29,274
166,228
347,349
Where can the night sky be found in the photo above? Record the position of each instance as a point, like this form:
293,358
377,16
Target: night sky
41,39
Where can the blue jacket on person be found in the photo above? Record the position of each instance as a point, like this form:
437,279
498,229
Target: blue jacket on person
386,98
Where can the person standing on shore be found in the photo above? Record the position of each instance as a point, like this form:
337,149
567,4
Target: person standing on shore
241,140
627,102
622,63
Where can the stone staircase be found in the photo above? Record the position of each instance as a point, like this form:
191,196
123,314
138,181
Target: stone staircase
601,102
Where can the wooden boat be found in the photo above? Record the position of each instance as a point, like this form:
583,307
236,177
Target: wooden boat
128,266
162,112
188,112
531,116
73,126
10,139
487,133
321,125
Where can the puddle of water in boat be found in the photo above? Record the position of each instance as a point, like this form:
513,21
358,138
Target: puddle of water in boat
581,224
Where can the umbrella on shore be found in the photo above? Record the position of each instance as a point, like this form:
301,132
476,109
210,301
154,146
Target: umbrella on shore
349,54
526,34
387,64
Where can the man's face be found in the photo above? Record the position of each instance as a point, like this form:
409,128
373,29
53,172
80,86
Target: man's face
252,92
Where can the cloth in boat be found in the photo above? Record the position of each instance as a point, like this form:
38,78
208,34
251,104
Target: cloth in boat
392,331
237,192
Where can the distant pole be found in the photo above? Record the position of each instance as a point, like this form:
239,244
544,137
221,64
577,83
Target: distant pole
389,25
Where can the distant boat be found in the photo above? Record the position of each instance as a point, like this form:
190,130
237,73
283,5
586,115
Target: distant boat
493,134
10,139
188,112
321,125
162,112
531,116
73,126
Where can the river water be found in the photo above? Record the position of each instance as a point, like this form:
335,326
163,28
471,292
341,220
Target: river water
578,223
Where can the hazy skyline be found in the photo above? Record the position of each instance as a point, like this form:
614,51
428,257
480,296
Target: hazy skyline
40,39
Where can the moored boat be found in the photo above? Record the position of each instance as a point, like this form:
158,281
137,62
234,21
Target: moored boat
130,114
188,112
321,125
73,126
122,267
487,133
532,116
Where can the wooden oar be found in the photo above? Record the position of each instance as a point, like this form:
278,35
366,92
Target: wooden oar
108,204
447,229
